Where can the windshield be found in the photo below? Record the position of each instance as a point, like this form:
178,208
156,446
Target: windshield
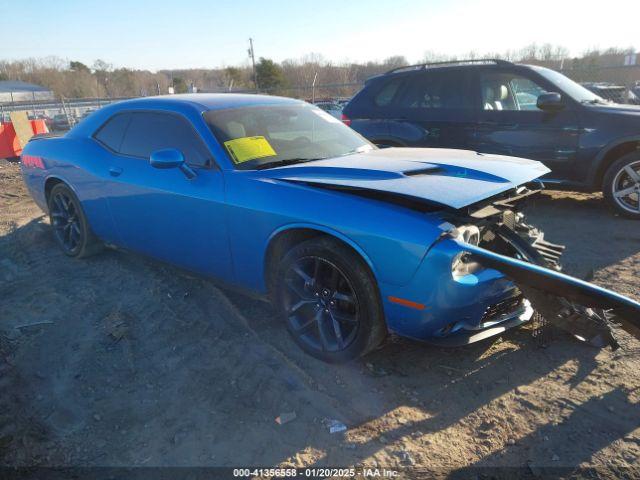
571,88
265,136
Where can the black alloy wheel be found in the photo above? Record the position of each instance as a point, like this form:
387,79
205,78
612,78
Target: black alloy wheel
329,300
70,227
321,306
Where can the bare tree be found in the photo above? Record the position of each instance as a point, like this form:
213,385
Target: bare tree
75,79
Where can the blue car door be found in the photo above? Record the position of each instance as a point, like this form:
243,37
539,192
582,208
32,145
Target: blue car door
160,212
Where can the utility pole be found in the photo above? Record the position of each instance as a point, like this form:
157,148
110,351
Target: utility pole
313,88
253,62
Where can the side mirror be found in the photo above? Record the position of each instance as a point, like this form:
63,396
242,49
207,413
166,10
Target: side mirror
170,158
550,102
167,158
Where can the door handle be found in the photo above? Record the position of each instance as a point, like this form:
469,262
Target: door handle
115,171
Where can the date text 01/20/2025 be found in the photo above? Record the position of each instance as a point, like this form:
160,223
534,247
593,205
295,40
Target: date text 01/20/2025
366,472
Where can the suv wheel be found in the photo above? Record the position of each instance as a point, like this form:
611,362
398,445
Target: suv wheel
329,301
621,185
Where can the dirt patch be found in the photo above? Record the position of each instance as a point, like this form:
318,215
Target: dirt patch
120,361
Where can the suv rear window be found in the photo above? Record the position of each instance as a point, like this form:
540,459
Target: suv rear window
388,92
437,90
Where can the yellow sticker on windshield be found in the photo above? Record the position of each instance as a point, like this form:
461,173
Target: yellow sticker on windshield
249,148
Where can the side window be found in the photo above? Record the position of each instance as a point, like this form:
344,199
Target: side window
506,91
388,92
438,90
111,133
151,131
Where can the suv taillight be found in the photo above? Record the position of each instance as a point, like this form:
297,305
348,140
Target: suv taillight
346,120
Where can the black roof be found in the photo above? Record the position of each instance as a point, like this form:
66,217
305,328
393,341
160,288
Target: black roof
450,63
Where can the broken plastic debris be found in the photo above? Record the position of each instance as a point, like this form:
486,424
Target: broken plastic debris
285,418
336,426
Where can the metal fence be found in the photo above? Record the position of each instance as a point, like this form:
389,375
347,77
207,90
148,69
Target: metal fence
620,84
59,114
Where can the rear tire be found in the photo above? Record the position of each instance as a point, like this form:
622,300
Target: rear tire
328,298
70,227
621,185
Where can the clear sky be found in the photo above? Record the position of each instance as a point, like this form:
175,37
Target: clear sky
198,33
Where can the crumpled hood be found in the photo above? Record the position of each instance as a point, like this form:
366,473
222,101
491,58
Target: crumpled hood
454,178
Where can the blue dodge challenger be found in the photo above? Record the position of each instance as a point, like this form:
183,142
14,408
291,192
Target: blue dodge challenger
347,240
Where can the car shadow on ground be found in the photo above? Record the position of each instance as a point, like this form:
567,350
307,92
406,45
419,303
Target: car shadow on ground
433,398
550,441
144,365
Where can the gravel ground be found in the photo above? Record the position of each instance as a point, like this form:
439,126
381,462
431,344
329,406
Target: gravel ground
120,361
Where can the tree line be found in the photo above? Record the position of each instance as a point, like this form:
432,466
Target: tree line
293,77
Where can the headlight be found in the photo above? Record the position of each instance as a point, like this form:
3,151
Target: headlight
468,234
462,265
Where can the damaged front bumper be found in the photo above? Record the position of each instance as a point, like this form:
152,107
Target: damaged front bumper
494,321
455,310
521,254
489,272
582,308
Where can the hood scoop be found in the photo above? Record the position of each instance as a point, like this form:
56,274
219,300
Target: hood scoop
423,171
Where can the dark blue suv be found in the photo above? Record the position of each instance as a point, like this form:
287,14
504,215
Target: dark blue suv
495,106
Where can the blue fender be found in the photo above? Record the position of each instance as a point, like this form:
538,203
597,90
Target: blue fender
324,229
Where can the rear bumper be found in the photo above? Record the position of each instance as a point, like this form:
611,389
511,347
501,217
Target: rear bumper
34,179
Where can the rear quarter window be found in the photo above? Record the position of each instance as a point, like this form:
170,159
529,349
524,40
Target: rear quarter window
112,132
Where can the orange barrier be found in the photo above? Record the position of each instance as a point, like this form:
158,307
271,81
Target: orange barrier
9,144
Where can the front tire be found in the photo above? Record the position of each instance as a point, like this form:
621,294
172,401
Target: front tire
621,185
70,227
329,300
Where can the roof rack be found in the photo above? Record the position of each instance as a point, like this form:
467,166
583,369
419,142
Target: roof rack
424,66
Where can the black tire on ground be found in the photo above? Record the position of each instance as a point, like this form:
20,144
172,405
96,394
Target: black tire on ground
620,177
337,313
70,227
